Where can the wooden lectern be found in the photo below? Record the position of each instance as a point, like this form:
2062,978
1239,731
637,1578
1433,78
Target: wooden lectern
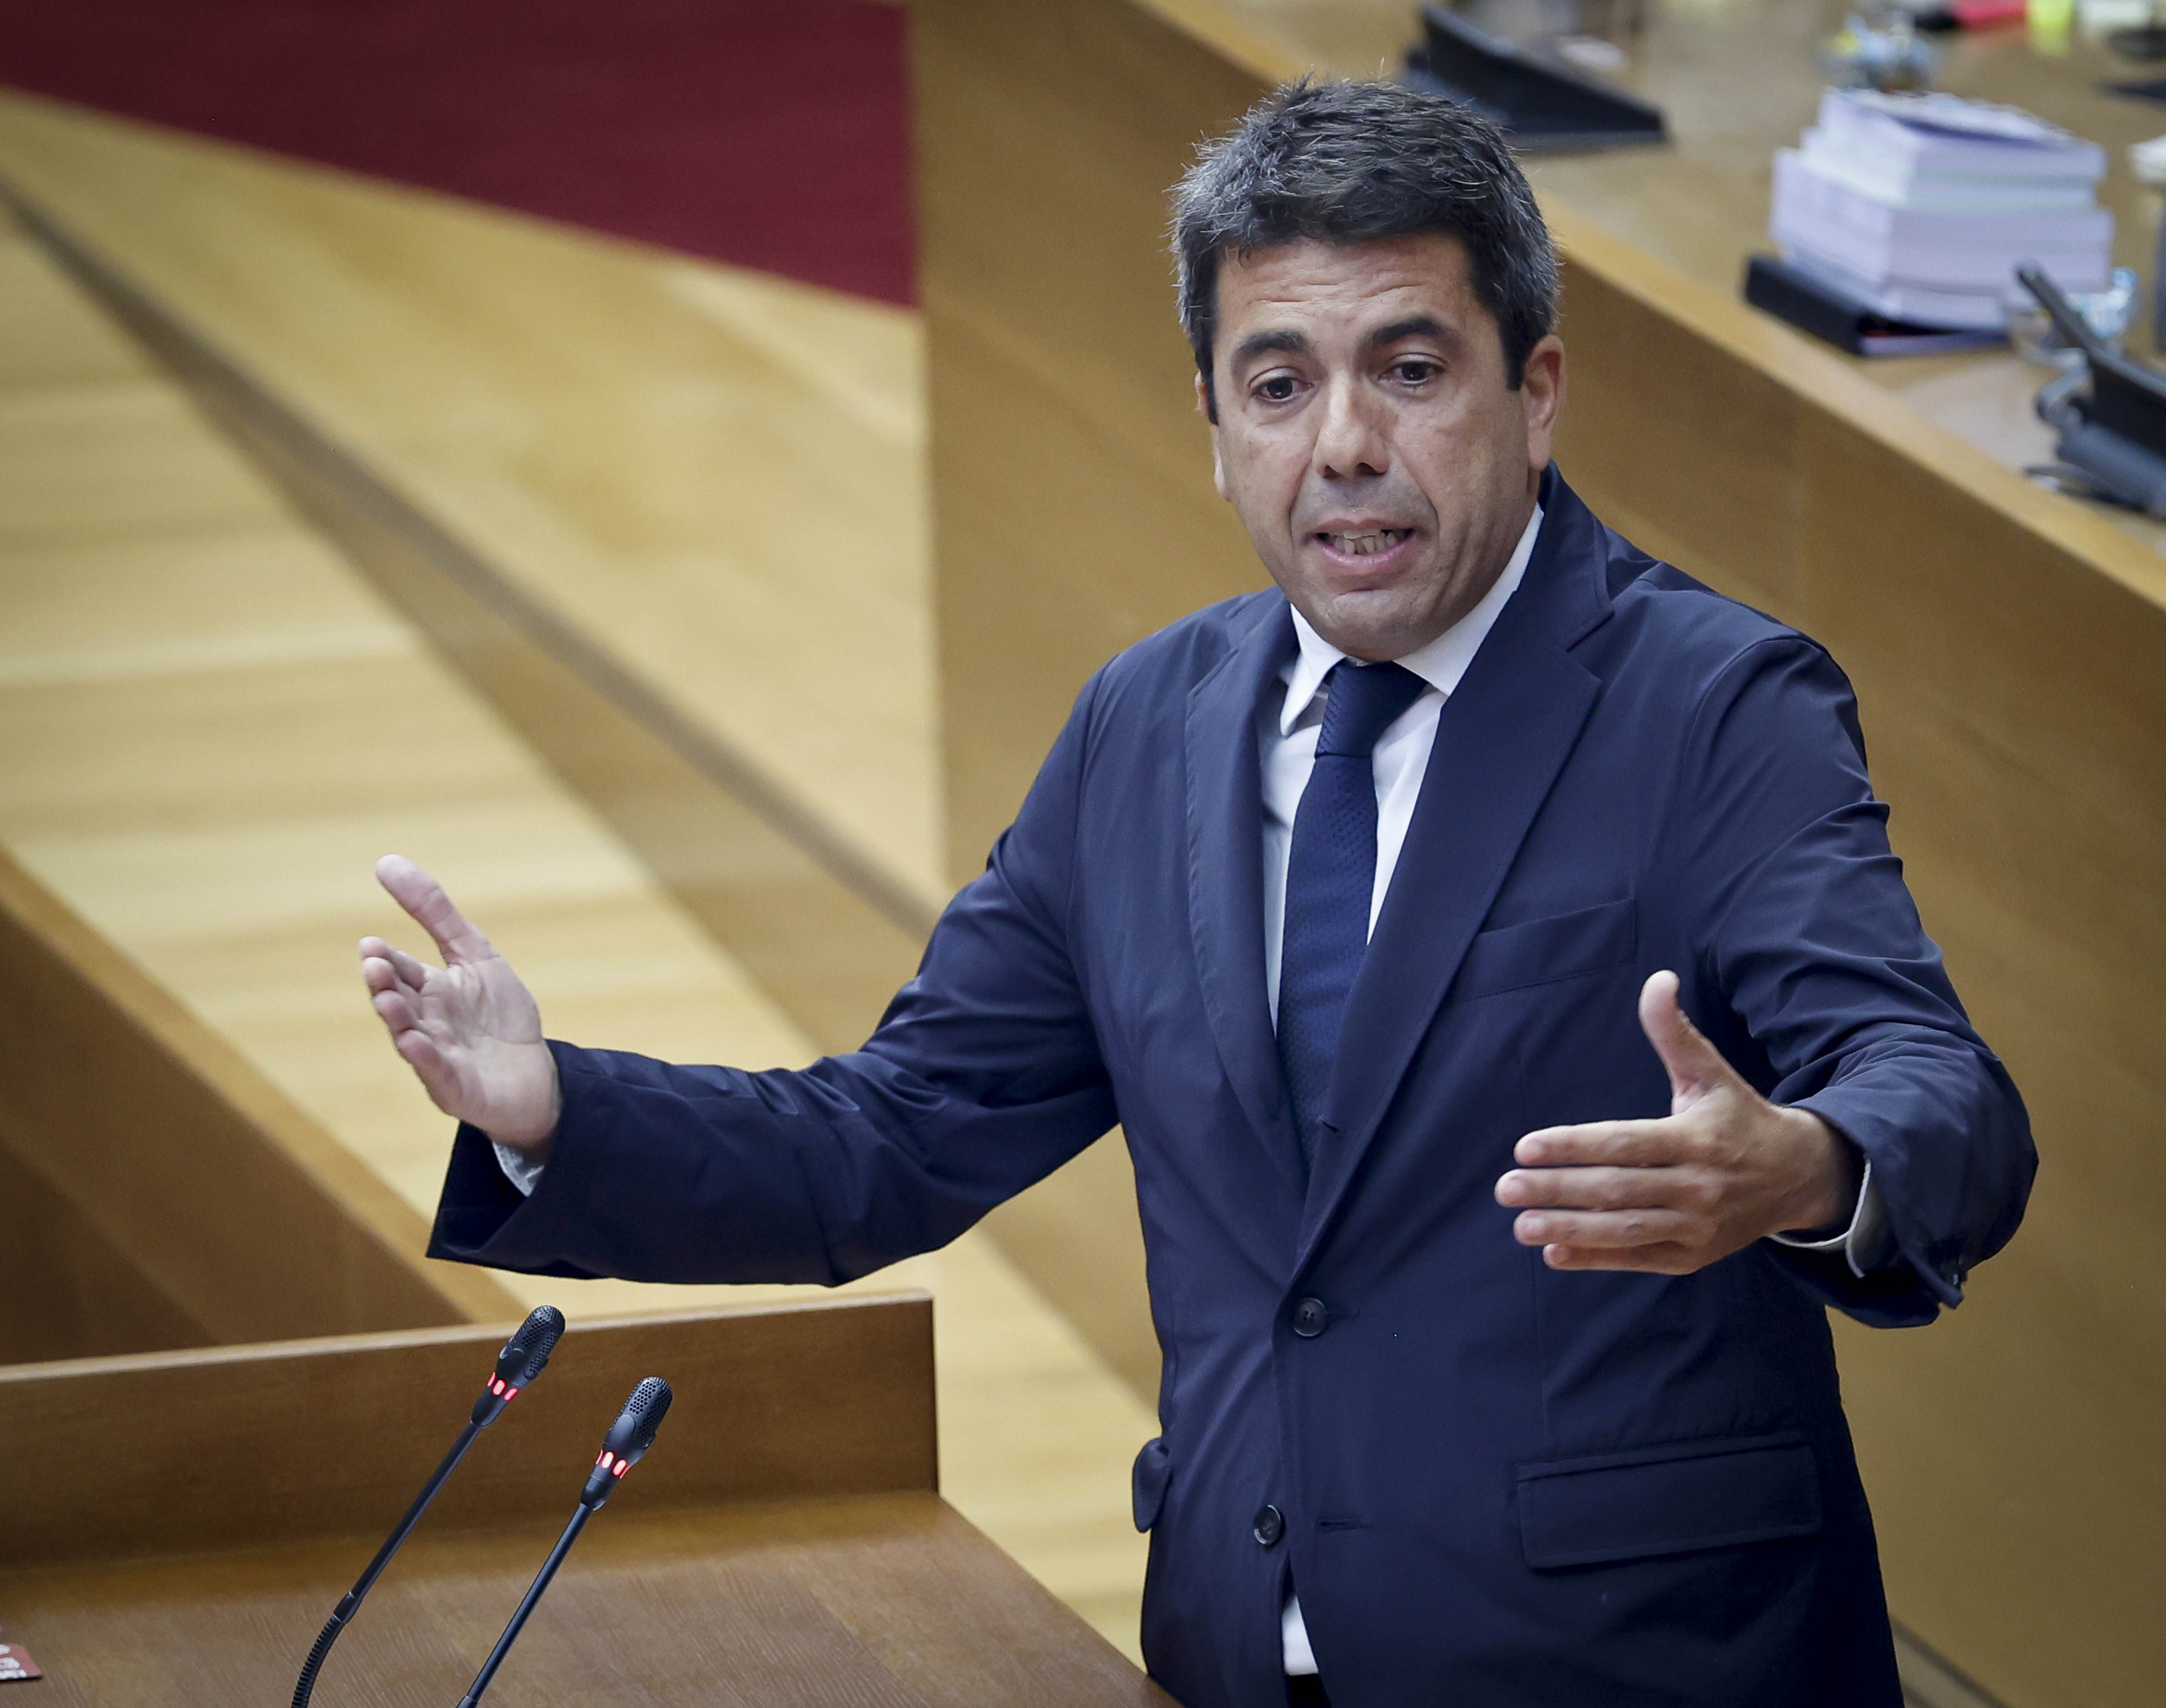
178,1527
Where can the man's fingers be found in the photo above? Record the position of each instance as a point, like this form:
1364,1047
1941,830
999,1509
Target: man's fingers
412,973
1601,1230
396,1012
1656,1260
429,1068
377,974
1615,1144
1693,1063
424,898
1601,1189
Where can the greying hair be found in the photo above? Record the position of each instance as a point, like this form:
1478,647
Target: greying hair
1350,162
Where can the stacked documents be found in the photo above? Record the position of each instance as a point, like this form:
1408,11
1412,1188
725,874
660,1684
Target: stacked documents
1921,206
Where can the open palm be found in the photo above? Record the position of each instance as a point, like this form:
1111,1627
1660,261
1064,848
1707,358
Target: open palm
469,1029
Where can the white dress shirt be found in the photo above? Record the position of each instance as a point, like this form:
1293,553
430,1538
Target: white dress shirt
1288,750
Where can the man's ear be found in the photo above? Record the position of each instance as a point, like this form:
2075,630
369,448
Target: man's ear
1541,394
1217,461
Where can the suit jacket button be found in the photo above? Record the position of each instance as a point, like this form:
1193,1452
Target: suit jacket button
1310,1318
1269,1526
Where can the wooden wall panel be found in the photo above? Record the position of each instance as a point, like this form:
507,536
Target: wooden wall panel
1067,457
229,1203
823,932
65,1292
262,1444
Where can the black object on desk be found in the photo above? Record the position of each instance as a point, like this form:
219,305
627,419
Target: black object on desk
1543,106
1791,294
2115,438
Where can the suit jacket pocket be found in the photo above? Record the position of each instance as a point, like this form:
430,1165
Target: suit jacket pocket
1668,1500
1541,952
1153,1470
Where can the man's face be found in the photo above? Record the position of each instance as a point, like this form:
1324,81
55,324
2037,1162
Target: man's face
1366,436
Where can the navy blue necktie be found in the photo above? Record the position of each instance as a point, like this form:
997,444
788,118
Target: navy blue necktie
1331,873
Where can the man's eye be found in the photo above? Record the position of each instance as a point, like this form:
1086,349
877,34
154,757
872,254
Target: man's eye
1279,389
1415,373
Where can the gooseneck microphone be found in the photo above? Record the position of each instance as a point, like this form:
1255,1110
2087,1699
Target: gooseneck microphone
624,1446
523,1358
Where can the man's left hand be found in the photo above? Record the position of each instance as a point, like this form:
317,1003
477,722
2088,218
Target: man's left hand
1725,1168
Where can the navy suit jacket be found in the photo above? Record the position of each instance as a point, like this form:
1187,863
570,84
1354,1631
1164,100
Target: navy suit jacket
1498,1484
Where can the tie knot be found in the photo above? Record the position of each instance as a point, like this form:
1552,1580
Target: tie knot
1364,700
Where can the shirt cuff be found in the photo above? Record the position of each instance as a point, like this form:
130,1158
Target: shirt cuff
1864,1243
525,1173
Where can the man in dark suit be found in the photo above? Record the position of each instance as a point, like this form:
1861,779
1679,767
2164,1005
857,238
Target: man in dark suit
1496,1365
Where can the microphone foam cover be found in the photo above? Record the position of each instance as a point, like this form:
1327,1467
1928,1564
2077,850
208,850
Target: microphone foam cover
644,1412
528,1350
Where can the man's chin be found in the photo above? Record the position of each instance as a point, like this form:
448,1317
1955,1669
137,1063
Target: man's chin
1375,624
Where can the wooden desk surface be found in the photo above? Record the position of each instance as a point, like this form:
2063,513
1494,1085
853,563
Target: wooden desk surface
879,1601
1738,80
193,1517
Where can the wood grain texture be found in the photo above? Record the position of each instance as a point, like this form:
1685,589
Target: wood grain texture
1068,456
67,1291
216,724
2008,648
236,1447
197,1514
231,1204
714,473
215,728
828,934
634,723
883,1601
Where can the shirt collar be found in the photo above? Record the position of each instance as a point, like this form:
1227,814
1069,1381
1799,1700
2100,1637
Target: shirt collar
1440,663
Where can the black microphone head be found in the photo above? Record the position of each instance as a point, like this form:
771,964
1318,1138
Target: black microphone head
628,1438
634,1431
527,1352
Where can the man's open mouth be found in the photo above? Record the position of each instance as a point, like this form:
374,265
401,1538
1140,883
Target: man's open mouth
1365,545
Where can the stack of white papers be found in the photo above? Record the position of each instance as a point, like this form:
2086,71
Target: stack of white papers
1921,206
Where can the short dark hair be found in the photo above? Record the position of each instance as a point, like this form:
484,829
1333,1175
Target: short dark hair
1353,162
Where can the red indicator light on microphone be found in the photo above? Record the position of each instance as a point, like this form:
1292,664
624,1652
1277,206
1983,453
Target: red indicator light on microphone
606,1459
621,1468
510,1394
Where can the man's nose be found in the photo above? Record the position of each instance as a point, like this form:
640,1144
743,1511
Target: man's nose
1351,442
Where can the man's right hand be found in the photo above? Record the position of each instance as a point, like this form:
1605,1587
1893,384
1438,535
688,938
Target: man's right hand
468,1029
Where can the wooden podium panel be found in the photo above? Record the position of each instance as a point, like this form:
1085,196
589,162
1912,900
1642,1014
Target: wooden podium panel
193,1517
886,1601
143,1157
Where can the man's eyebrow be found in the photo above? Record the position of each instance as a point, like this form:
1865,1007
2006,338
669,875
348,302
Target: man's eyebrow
1413,326
1258,344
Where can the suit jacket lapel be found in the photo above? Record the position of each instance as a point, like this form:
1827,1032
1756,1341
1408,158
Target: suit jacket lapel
1501,740
1226,875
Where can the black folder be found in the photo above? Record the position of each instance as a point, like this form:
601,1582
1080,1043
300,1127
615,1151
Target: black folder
1543,106
1813,306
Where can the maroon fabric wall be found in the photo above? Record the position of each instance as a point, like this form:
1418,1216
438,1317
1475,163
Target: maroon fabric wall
774,134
